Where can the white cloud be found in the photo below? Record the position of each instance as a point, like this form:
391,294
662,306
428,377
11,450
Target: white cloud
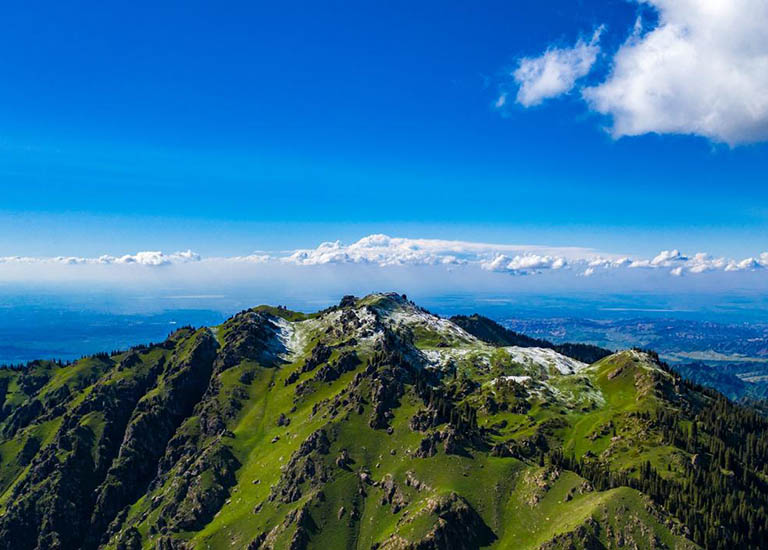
745,265
17,260
69,260
252,258
382,251
702,70
149,258
386,251
667,257
553,73
620,261
152,258
700,262
524,264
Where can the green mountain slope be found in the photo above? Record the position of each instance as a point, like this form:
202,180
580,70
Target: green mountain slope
371,425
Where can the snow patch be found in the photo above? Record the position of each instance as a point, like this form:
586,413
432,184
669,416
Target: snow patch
292,337
518,379
444,327
443,356
544,357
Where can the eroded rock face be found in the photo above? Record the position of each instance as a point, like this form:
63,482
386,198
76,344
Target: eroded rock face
457,526
392,495
22,417
92,487
320,354
523,449
426,419
298,527
153,424
328,372
428,446
250,335
204,490
386,389
307,465
584,537
32,521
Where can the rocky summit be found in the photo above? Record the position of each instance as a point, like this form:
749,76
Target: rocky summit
373,425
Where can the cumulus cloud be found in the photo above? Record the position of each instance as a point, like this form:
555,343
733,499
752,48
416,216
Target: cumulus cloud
700,262
553,73
600,263
385,252
665,258
702,70
388,251
152,258
148,258
524,264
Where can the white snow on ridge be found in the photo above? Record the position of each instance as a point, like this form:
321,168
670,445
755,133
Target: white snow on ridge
443,356
410,317
545,357
518,379
539,358
291,339
295,336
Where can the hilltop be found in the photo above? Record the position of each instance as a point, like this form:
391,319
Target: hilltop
373,425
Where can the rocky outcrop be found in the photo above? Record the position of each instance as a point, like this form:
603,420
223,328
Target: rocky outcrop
392,495
153,424
307,465
457,526
329,372
72,466
250,335
22,417
585,537
205,488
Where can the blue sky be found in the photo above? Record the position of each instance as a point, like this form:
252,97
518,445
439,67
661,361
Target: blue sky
258,126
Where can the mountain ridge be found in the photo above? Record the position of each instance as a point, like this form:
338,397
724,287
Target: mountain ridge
494,333
371,424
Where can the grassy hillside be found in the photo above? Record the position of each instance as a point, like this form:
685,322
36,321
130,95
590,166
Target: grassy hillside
371,425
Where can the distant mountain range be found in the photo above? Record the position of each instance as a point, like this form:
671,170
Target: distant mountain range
374,425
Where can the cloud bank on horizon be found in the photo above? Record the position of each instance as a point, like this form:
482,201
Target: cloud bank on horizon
474,259
701,69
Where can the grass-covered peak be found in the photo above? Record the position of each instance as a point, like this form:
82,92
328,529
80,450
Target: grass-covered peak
384,301
372,424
